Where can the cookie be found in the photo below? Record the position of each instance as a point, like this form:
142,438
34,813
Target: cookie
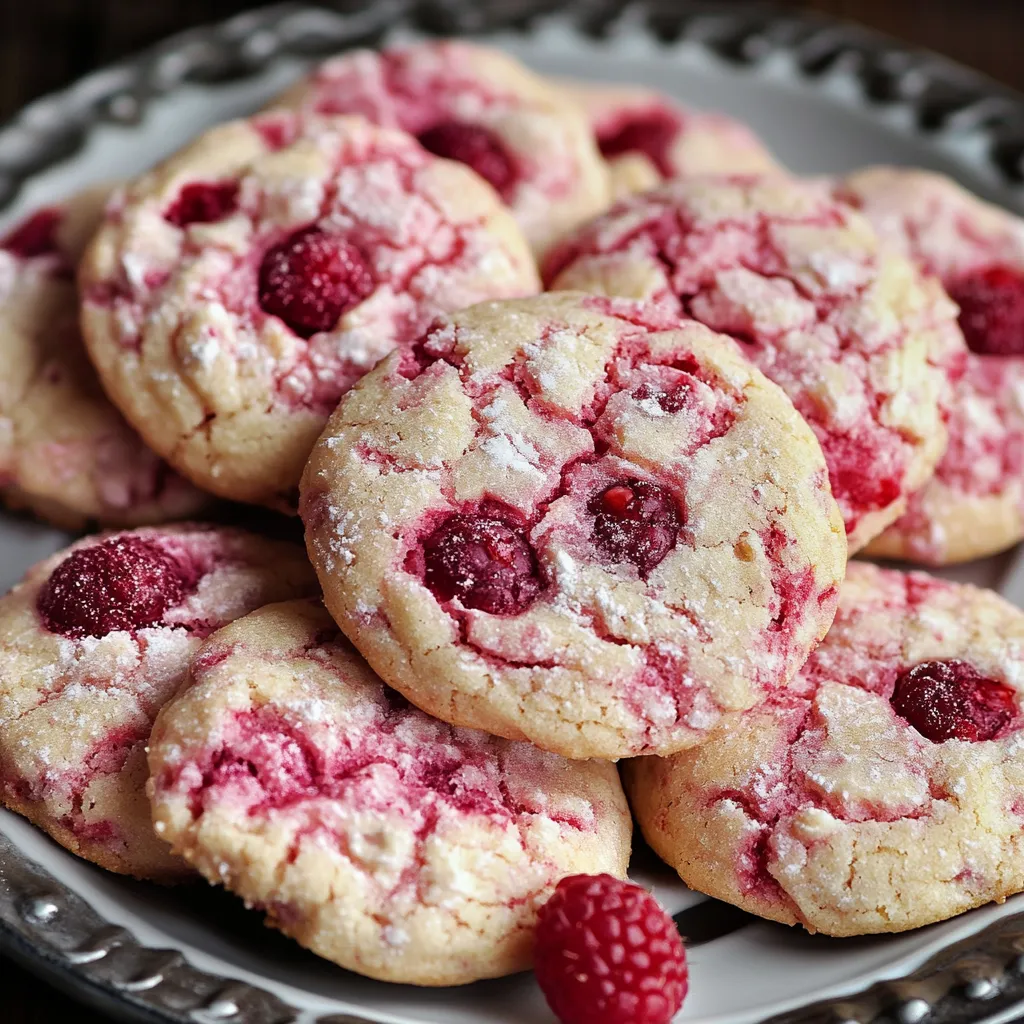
974,505
862,344
481,107
646,137
883,791
374,835
236,291
93,641
65,452
574,521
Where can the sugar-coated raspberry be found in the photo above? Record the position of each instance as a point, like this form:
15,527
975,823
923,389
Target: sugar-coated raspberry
991,305
124,583
650,132
203,203
484,561
951,700
606,953
311,279
476,147
636,522
36,236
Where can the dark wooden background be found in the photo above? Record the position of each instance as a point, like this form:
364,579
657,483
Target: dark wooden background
44,44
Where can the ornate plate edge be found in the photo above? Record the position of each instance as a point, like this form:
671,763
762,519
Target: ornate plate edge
51,929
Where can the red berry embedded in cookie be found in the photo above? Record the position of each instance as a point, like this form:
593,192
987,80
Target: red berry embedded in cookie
312,279
649,132
991,305
124,583
605,952
476,147
636,522
203,203
951,700
36,236
485,562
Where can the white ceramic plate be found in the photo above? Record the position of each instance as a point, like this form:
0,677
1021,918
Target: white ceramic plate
807,88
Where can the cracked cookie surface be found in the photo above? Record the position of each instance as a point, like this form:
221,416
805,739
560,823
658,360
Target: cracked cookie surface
236,291
646,137
93,641
577,521
479,106
863,344
883,791
974,504
376,836
65,452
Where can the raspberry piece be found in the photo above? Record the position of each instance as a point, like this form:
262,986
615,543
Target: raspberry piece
991,305
651,132
36,236
311,279
951,700
203,203
606,953
635,522
671,401
858,477
484,561
123,583
476,147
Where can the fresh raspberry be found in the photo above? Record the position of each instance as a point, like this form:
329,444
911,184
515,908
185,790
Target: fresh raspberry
951,700
486,562
476,147
635,522
311,279
35,236
203,203
124,583
991,305
650,132
606,953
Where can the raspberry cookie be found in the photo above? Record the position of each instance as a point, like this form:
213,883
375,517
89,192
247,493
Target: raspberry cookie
883,791
483,108
645,137
65,451
92,642
576,521
861,343
376,836
974,505
234,293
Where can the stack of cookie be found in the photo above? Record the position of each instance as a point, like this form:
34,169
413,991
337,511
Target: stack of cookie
551,532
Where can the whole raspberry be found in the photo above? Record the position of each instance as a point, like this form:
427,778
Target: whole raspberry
991,305
484,561
310,279
636,522
203,203
952,700
124,583
475,147
606,953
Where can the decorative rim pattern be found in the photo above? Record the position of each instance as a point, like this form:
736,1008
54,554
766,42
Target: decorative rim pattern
54,931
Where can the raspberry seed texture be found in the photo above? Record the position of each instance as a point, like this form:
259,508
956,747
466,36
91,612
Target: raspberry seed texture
605,952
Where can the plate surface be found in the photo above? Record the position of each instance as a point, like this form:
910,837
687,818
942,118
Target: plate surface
826,98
